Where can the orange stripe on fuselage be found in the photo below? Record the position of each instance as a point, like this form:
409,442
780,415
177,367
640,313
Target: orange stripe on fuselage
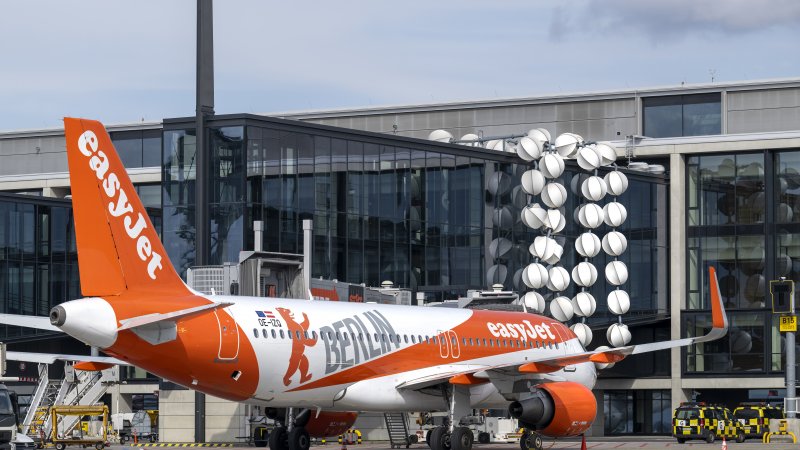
427,354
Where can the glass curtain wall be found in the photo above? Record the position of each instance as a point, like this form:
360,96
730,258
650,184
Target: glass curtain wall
741,220
637,412
38,258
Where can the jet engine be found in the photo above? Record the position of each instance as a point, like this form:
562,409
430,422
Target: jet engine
557,409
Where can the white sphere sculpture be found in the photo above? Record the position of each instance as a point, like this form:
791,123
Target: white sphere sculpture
614,214
601,366
503,217
590,215
588,158
558,279
567,144
499,247
440,136
472,140
551,165
588,245
616,273
499,183
584,274
608,155
619,302
540,135
533,182
555,220
497,274
554,195
577,181
614,243
593,188
616,182
544,248
618,335
535,276
534,302
583,332
533,216
584,304
561,309
528,149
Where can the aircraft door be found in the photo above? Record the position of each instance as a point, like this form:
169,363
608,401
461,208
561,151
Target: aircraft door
444,349
228,336
455,349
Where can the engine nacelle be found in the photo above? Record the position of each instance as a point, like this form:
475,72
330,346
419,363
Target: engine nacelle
330,423
557,409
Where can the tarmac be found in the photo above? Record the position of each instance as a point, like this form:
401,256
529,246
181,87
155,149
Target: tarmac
592,443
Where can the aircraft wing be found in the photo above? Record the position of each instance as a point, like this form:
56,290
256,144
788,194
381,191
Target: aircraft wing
50,358
475,374
37,322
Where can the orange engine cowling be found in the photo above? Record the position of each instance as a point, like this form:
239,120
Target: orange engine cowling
557,409
330,423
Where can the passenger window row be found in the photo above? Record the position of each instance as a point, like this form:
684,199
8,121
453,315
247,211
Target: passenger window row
347,337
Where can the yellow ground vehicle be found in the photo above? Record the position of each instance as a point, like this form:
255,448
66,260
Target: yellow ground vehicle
701,421
756,417
79,432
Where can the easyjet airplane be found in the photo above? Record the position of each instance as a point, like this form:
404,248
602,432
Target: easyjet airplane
312,364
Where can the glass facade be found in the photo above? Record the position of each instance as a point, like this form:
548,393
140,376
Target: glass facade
436,218
741,220
138,148
637,412
682,115
38,259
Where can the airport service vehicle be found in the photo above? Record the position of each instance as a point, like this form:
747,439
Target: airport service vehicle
85,431
756,417
313,364
696,420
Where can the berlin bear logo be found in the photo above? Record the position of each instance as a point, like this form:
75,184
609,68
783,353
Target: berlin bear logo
298,360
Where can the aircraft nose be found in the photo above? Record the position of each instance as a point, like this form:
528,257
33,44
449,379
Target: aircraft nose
58,315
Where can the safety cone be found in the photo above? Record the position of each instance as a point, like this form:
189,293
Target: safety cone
724,444
583,442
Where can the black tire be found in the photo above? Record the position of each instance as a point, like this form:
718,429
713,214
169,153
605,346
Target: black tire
260,436
299,439
530,441
413,439
440,439
152,438
428,438
123,438
740,437
100,446
483,437
279,439
461,439
681,440
710,436
60,446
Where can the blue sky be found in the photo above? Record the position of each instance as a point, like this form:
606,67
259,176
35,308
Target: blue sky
123,62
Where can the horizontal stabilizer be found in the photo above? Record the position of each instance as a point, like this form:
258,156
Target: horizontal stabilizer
149,319
50,358
37,322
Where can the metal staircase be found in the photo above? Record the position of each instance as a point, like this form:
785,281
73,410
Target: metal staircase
77,388
397,426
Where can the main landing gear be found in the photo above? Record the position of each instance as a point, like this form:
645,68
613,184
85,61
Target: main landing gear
530,440
294,436
442,439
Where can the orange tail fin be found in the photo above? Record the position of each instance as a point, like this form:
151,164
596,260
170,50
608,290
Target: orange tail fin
118,248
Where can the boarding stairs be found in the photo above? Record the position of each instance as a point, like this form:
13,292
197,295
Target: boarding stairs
77,388
397,426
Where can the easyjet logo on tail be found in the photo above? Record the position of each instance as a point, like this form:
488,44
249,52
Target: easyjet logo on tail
119,207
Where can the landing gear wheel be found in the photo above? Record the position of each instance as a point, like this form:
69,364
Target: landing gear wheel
530,441
279,439
461,439
299,439
428,438
740,437
440,438
710,437
483,437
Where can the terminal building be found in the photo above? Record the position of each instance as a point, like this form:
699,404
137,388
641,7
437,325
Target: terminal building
387,204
